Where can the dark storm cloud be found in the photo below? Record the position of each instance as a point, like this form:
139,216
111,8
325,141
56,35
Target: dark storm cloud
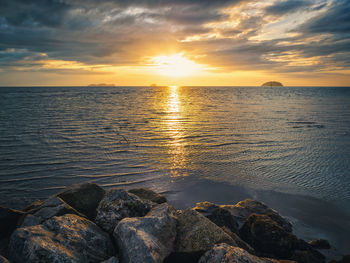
119,32
286,7
335,20
33,13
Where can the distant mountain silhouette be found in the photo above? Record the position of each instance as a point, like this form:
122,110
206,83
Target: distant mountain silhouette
272,84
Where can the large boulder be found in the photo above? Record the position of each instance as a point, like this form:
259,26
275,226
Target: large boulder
205,208
54,206
118,204
83,197
67,238
148,194
8,221
197,234
243,209
267,237
240,243
218,215
224,253
148,239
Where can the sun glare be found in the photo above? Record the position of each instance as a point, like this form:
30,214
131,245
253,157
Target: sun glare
175,65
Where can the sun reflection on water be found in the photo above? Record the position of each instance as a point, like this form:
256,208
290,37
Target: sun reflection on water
175,127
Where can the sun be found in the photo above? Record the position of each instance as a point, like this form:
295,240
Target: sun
175,65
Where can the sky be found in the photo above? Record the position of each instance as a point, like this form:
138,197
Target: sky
179,42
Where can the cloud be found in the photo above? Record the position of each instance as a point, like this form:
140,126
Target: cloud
223,33
336,20
287,6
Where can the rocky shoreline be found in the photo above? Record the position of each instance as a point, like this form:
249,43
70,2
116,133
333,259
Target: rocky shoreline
85,223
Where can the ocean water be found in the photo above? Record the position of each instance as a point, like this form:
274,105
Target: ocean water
291,141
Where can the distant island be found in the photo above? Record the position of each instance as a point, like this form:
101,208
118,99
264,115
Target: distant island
102,85
272,84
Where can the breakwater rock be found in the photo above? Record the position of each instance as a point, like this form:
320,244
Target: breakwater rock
85,223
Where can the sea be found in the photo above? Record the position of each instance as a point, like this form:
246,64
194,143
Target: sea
288,147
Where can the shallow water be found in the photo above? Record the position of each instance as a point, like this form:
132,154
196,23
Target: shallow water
291,140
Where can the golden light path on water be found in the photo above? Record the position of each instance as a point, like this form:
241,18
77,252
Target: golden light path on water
177,151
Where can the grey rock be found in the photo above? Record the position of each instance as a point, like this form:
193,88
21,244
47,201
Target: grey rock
243,209
320,244
54,206
83,197
67,238
224,253
148,194
240,243
8,221
3,260
205,208
223,217
267,237
147,239
111,260
196,233
118,204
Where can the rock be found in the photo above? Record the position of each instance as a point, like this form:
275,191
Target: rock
83,197
197,234
267,237
320,244
308,256
148,195
3,260
243,209
67,238
147,239
223,217
8,221
118,204
224,253
240,243
345,259
272,84
33,205
205,208
54,206
111,260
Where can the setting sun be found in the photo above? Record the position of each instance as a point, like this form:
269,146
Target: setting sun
175,65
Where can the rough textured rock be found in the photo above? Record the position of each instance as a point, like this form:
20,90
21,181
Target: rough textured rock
54,206
111,260
197,234
205,208
320,244
267,237
3,260
345,259
67,238
118,204
148,194
224,253
308,256
223,217
243,209
8,221
83,197
147,239
240,243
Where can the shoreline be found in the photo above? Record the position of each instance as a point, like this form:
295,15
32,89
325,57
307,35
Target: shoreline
90,202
